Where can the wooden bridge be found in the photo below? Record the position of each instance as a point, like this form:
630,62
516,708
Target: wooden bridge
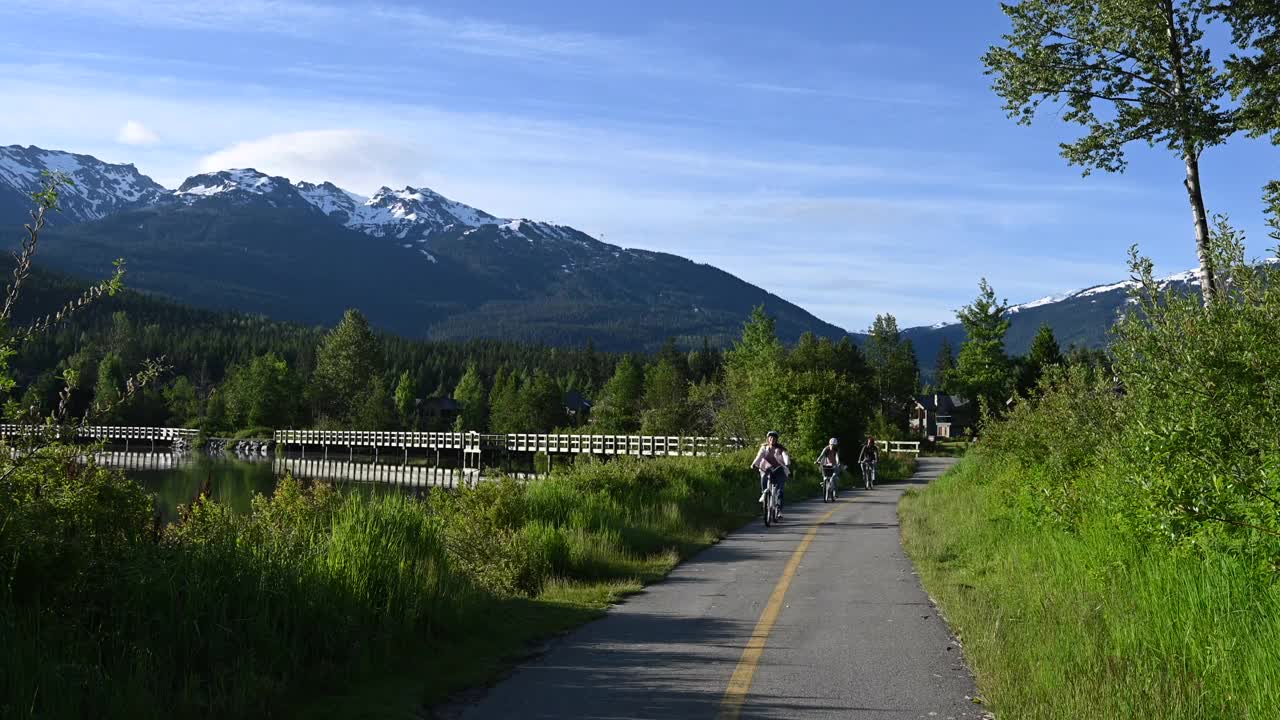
100,433
472,445
467,443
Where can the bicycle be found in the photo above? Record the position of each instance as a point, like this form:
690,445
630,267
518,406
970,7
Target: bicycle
868,474
771,507
830,476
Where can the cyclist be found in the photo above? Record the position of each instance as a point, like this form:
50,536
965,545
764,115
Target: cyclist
829,458
774,464
869,456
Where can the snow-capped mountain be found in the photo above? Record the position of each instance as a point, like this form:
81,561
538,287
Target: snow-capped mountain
418,263
1187,278
1078,317
242,187
409,214
99,189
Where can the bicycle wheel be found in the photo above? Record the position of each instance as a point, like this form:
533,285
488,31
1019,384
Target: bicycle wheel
768,508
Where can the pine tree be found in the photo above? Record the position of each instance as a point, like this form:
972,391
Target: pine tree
894,368
376,408
944,366
542,404
108,389
406,399
665,400
473,398
1044,353
617,409
751,371
505,413
261,394
983,371
345,361
182,402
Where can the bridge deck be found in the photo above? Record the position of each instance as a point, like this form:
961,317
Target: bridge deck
649,445
469,443
107,433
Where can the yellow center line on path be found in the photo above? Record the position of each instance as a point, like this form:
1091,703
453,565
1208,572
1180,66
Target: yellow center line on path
740,684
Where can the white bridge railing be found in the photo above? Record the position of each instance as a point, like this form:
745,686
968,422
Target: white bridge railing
550,443
107,433
906,447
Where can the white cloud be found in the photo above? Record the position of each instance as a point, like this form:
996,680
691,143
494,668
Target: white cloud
135,133
356,160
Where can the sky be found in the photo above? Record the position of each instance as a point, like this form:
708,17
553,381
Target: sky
847,155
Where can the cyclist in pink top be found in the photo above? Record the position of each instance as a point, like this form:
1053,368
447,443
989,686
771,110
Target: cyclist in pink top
774,464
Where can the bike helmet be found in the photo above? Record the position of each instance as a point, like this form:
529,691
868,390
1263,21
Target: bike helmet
772,434
834,442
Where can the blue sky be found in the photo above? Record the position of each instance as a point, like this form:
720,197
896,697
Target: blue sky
846,155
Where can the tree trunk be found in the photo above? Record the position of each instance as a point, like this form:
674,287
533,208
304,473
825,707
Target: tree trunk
1208,282
1191,157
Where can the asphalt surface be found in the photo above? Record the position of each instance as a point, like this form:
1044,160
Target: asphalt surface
854,636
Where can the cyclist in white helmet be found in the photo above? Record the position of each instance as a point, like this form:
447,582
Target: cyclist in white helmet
774,464
829,460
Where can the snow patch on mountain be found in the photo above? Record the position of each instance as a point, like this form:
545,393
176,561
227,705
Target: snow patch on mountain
399,213
228,181
329,198
1046,300
98,189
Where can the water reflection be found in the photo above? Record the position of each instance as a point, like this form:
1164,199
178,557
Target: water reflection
177,478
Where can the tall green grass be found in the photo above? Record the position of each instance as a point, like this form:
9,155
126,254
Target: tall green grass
1060,624
316,592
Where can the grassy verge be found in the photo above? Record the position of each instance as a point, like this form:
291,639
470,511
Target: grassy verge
378,604
611,553
891,468
1061,624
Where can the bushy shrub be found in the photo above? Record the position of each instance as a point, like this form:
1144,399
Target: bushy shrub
1060,435
63,523
1179,445
1203,387
483,532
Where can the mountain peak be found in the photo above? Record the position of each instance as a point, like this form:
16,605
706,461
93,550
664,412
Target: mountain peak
238,179
417,212
98,188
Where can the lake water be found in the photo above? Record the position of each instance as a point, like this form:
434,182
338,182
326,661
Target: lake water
176,479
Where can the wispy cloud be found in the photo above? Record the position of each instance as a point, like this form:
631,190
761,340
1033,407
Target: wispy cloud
135,133
356,158
901,95
278,16
300,17
645,55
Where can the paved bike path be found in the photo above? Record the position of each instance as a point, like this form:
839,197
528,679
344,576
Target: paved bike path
854,635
